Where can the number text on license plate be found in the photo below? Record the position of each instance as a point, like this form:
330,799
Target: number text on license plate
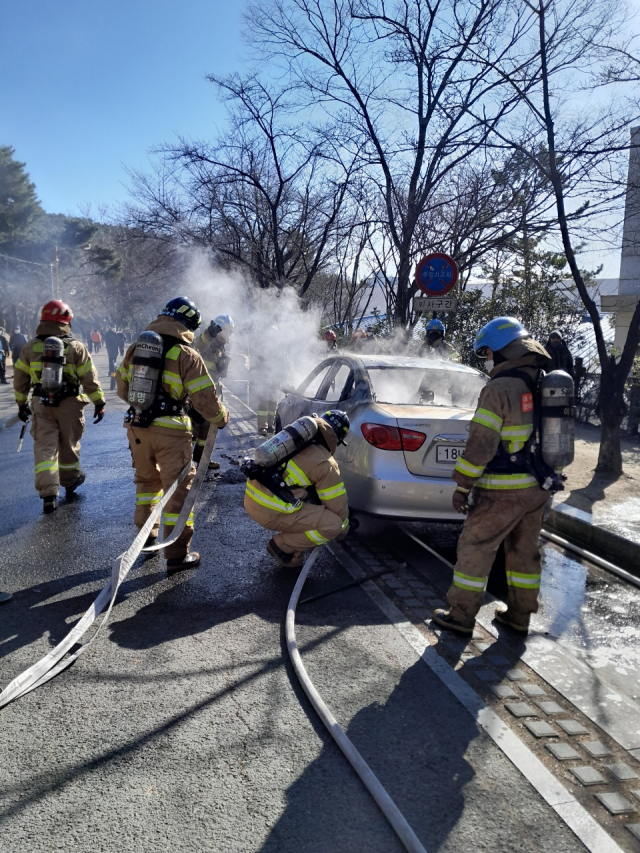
448,454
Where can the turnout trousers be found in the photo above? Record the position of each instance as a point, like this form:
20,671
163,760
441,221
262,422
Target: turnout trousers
56,432
200,433
298,531
266,413
158,458
514,517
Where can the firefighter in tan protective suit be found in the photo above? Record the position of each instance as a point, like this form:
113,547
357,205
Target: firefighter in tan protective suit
312,473
502,496
211,346
161,450
58,413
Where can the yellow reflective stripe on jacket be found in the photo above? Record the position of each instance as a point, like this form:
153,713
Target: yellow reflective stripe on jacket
219,418
173,353
46,466
523,581
170,519
294,475
466,468
316,538
469,582
173,422
270,501
148,498
96,396
332,492
506,481
199,384
125,372
515,437
488,419
174,382
85,368
21,366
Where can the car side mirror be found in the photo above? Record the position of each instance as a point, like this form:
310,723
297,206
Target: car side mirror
286,389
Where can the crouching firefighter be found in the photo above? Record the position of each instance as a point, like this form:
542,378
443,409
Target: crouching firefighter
55,365
294,486
158,373
520,438
211,346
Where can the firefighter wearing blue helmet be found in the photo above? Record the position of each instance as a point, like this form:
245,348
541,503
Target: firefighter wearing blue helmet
503,500
434,345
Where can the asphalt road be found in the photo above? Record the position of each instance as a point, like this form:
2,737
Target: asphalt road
184,728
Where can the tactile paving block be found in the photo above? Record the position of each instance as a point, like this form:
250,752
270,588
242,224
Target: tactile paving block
616,803
502,691
562,751
587,775
532,690
634,829
550,707
622,771
572,727
521,709
595,748
540,729
517,674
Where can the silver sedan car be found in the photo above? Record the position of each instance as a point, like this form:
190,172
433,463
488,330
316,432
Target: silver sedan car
409,423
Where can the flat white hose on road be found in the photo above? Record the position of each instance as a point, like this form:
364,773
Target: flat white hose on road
52,664
393,814
593,558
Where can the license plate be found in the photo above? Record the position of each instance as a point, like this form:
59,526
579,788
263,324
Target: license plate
448,454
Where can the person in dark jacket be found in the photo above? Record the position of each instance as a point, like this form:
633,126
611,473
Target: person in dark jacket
561,358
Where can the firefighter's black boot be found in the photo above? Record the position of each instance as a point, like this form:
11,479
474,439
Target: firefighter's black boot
444,620
69,490
49,504
289,561
178,564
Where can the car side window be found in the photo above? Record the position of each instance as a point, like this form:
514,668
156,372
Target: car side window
338,389
311,386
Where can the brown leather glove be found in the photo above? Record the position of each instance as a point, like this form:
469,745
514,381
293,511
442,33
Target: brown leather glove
460,501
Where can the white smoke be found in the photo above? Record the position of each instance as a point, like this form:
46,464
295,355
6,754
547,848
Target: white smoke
274,334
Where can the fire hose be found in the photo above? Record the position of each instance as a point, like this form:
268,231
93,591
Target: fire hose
61,657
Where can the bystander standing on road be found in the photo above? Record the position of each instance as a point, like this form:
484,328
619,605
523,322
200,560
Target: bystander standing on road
17,340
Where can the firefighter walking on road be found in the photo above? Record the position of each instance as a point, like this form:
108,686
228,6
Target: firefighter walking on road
497,485
211,346
157,375
55,365
312,509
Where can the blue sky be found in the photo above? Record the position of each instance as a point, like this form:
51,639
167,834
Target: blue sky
88,87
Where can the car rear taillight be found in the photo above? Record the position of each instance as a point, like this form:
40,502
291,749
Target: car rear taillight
392,438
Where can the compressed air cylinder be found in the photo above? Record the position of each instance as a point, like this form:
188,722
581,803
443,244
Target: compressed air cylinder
52,365
290,440
146,367
558,419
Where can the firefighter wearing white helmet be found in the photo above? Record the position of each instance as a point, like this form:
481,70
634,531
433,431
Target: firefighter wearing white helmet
496,482
295,488
211,346
434,345
160,372
64,381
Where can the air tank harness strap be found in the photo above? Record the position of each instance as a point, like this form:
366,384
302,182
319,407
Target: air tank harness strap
52,663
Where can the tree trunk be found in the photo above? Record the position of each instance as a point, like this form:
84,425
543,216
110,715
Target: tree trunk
612,410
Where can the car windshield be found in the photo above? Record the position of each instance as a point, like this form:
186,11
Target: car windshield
414,386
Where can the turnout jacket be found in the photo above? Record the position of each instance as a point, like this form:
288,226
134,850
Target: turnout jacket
442,349
312,467
183,375
504,415
212,352
78,369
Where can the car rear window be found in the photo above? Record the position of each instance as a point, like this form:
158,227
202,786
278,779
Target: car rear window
414,386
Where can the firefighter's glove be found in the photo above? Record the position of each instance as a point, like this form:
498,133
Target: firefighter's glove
225,421
98,413
461,501
24,412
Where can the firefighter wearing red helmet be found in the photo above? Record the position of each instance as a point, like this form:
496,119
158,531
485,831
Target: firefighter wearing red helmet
332,341
59,370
